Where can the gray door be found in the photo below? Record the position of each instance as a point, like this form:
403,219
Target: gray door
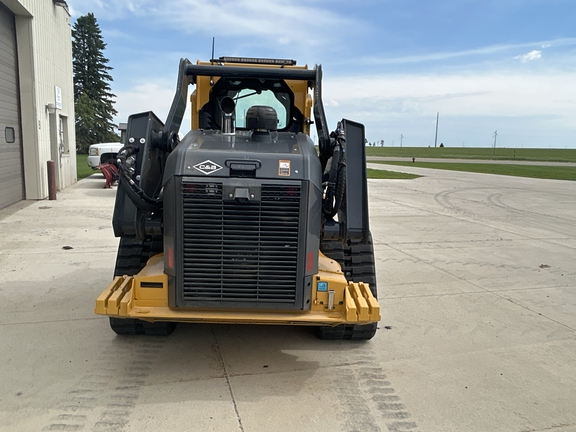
11,178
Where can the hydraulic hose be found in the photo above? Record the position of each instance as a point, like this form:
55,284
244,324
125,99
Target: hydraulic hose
133,190
335,186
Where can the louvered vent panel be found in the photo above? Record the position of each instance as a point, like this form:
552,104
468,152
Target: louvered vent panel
240,251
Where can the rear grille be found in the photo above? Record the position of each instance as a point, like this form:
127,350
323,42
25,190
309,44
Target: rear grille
241,252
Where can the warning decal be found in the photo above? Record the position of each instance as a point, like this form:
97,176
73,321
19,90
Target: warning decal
284,167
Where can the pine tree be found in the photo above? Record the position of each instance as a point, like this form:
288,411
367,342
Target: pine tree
94,101
85,122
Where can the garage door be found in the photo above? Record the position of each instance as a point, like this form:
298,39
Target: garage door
11,179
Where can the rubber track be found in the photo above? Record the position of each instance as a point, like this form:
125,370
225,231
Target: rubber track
129,326
132,257
134,254
357,262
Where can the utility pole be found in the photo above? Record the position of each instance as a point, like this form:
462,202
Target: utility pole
436,138
401,136
495,135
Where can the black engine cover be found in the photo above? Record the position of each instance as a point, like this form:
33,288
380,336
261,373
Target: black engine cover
242,220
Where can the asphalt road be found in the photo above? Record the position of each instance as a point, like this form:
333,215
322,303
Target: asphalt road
477,283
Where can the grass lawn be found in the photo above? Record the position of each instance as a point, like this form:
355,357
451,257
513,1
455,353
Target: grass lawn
533,171
383,174
82,168
528,154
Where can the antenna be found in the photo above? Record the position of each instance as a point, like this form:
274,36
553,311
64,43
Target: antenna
212,58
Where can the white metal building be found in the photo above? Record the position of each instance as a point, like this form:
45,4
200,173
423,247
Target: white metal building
36,98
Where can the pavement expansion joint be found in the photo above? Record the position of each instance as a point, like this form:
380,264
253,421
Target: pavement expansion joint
228,384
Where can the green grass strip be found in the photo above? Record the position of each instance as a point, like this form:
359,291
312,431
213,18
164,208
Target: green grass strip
383,174
528,154
532,171
82,168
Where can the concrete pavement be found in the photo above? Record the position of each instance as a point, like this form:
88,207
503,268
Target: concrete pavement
477,282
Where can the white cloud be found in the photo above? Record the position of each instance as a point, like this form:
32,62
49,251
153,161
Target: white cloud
283,20
532,55
472,87
474,53
535,104
532,106
436,56
486,93
155,96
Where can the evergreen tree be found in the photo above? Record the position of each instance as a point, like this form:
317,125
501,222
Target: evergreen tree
85,122
94,103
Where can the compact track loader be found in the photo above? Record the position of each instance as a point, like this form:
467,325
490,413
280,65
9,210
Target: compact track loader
243,220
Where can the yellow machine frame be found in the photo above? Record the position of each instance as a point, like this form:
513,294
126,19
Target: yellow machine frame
201,95
334,301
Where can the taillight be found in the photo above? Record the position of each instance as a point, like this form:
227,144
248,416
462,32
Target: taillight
170,258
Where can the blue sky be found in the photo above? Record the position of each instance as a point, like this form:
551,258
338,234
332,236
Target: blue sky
484,65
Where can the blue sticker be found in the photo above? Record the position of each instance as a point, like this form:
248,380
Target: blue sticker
322,286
